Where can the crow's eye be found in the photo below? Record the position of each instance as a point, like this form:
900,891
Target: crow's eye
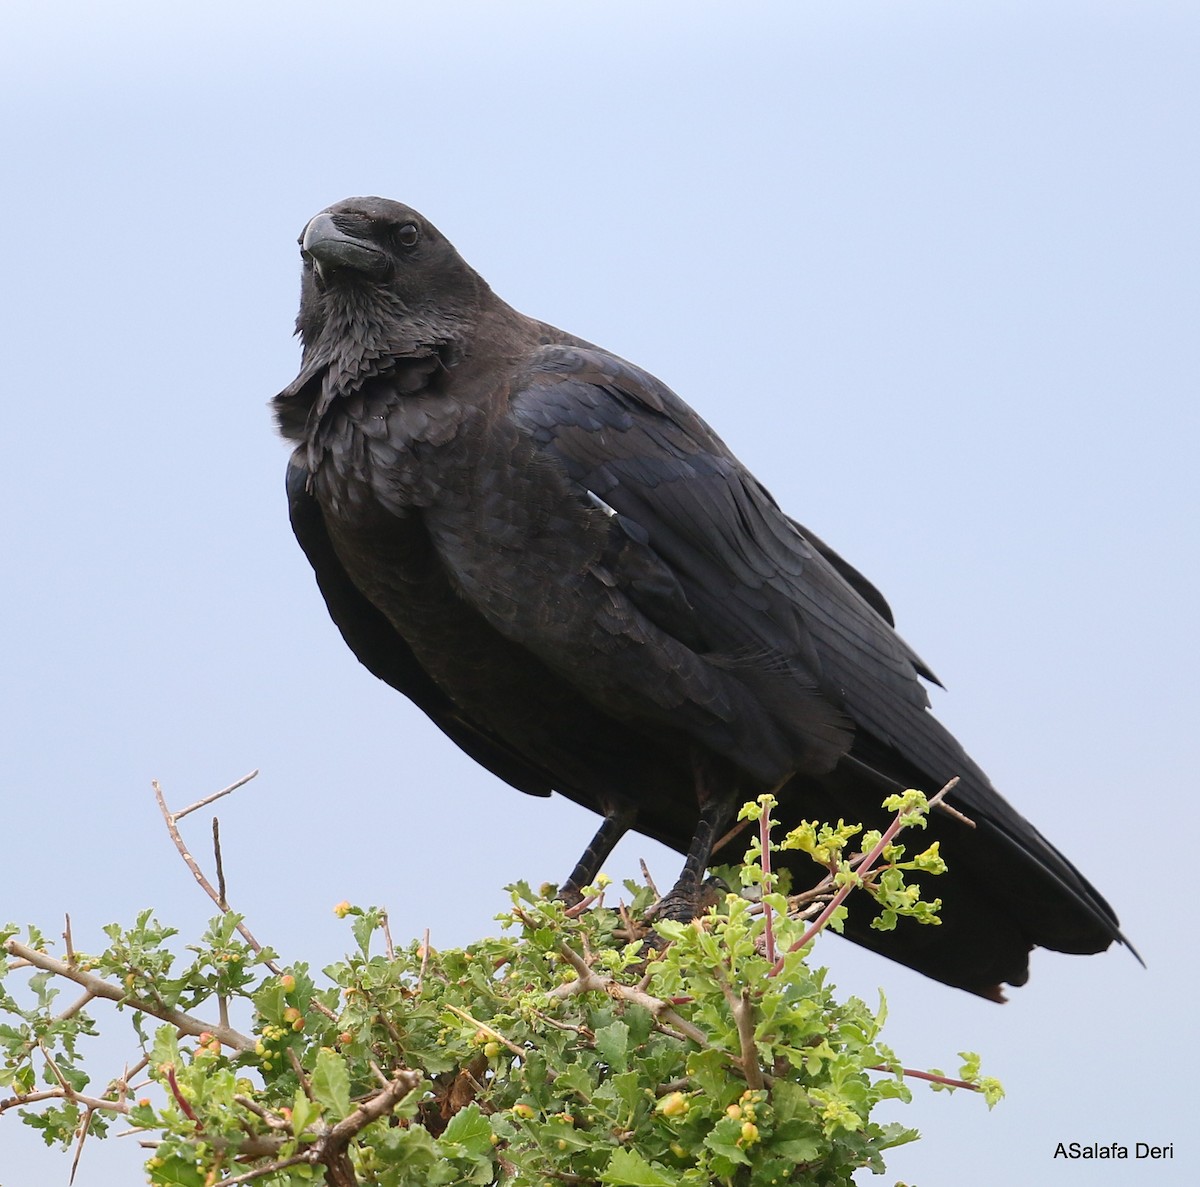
408,234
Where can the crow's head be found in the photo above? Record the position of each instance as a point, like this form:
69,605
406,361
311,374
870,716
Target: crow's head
380,283
371,259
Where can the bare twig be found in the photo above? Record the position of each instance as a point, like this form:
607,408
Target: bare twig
75,1007
98,987
216,795
584,1032
487,1030
389,947
130,1072
275,1122
85,1127
424,960
822,890
171,818
301,1074
222,901
262,1171
950,810
218,896
647,879
91,1102
81,1130
62,1083
736,831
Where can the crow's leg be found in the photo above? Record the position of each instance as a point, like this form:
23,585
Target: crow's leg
718,804
618,818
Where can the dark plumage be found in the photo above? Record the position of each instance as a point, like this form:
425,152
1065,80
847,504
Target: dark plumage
565,568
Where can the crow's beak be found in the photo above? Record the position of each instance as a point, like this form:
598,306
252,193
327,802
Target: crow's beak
332,250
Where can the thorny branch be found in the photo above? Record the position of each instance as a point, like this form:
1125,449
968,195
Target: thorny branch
192,864
742,1009
218,896
588,980
61,1093
330,1149
98,987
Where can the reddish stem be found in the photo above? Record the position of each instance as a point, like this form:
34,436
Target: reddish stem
764,834
864,868
184,1107
933,1077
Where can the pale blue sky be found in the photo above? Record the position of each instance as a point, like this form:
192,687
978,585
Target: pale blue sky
930,268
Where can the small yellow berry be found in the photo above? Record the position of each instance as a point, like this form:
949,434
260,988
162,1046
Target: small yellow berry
674,1104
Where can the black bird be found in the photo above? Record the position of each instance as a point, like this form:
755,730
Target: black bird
552,555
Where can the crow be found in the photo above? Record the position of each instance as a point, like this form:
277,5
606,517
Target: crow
558,561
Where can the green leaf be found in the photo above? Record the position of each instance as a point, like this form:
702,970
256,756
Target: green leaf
470,1130
804,1147
331,1082
611,1045
303,1111
271,1001
166,1046
630,1092
177,1171
790,1102
627,1168
722,1139
710,1070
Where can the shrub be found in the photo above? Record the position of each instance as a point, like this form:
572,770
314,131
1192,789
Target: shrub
563,1050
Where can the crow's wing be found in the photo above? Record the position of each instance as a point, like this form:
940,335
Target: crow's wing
755,596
